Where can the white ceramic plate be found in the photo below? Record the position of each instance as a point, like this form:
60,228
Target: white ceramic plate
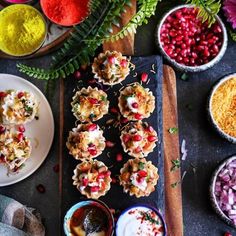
39,131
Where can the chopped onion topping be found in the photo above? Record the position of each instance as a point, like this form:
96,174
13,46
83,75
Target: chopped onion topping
225,190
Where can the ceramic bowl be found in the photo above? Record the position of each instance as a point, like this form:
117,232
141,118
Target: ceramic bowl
185,68
123,217
81,204
213,200
211,118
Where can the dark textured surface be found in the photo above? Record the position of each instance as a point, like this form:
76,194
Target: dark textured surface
115,198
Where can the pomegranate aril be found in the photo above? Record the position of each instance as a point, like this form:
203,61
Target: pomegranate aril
85,182
126,138
21,128
41,188
92,151
137,138
134,105
138,116
138,150
144,77
119,157
111,59
228,234
114,110
3,94
20,95
110,144
77,74
93,101
123,63
2,129
107,173
20,137
142,173
94,189
152,138
101,176
124,120
91,127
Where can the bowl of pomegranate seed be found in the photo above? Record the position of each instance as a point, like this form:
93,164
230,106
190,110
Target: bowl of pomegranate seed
223,191
187,43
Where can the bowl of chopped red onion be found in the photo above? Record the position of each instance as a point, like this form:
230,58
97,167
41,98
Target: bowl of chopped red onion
223,191
187,43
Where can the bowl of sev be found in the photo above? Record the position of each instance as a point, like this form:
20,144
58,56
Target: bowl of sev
222,107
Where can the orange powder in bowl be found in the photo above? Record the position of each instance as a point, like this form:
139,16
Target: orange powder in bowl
65,12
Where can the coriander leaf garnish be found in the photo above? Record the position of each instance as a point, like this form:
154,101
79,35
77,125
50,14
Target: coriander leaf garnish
173,130
148,217
175,164
141,165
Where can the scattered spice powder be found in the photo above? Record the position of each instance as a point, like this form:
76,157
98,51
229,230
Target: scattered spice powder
223,106
65,12
22,30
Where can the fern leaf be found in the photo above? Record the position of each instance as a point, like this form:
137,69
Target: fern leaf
232,34
208,9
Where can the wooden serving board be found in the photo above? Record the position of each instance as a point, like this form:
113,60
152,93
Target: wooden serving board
173,196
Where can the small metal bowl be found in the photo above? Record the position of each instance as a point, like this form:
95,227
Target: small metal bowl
96,203
185,68
213,200
211,118
123,216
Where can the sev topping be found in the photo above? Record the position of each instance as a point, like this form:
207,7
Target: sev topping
223,107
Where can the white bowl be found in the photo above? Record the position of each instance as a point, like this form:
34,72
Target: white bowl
185,68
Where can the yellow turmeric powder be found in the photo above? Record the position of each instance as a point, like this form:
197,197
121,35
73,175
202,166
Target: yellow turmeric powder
22,30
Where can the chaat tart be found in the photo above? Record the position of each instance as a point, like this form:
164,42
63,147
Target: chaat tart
15,148
136,102
86,141
92,178
138,139
138,177
111,68
89,104
17,107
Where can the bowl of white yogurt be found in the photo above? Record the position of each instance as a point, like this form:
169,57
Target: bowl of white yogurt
141,220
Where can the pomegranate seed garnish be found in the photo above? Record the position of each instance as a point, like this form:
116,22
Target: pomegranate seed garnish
94,189
126,138
151,138
56,168
20,95
77,74
134,105
114,110
21,128
92,81
137,137
113,211
92,151
40,188
110,144
113,180
3,94
138,150
2,129
142,173
111,59
228,234
124,120
93,101
85,182
144,77
123,63
20,137
150,129
107,173
91,127
101,176
119,157
138,116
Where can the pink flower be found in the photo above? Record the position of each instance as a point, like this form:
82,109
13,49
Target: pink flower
229,7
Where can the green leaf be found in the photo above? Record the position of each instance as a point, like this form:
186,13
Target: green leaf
184,76
208,9
173,130
141,165
175,164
